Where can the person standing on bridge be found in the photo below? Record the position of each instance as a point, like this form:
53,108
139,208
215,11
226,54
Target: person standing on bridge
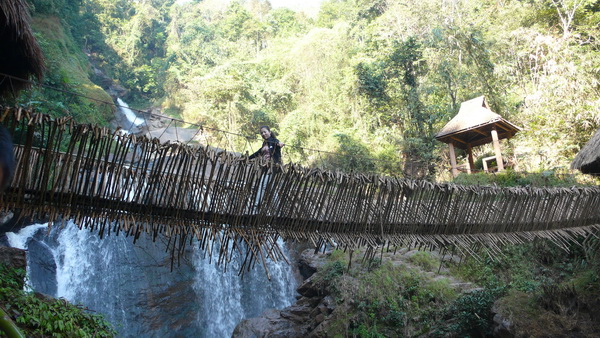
271,147
270,150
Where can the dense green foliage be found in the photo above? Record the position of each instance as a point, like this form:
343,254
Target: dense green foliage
43,317
510,178
67,88
371,81
540,287
547,289
383,300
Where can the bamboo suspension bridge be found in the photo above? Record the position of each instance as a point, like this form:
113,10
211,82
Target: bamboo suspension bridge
113,183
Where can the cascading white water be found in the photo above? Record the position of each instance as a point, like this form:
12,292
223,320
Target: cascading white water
19,240
129,114
133,287
88,271
252,294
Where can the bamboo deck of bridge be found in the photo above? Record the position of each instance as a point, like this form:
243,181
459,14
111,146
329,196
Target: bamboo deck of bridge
112,182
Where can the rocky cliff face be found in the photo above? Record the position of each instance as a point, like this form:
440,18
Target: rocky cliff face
316,313
305,318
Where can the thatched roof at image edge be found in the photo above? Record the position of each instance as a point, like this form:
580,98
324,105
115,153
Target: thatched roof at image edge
588,158
473,125
21,55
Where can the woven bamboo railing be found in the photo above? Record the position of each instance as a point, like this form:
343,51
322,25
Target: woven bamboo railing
111,183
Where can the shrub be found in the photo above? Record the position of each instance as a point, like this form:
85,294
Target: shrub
471,314
425,260
11,278
40,316
510,178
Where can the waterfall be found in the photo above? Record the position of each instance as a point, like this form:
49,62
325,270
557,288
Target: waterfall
129,114
229,299
133,287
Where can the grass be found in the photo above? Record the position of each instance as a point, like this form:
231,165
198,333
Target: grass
547,290
425,260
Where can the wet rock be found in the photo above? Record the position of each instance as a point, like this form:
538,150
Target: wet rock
313,308
112,88
43,267
269,324
13,258
310,262
308,288
297,320
502,327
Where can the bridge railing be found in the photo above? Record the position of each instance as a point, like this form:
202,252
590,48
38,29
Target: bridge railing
113,182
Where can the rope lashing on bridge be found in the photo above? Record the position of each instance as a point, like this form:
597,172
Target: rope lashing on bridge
113,182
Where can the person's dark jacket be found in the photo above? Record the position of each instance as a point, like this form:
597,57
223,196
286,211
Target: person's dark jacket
274,149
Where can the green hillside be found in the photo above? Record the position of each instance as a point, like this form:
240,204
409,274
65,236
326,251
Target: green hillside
370,80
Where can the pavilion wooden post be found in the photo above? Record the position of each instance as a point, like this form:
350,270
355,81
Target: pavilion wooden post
453,159
496,142
471,164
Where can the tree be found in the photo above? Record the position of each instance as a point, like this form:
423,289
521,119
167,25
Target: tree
567,10
234,21
285,22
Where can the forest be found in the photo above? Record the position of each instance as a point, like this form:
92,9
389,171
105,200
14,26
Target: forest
368,83
360,86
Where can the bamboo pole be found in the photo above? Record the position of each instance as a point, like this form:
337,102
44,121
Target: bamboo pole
118,183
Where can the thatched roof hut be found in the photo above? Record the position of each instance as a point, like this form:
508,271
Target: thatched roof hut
474,125
588,158
20,57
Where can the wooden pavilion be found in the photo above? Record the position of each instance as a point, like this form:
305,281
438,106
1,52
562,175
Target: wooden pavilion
474,125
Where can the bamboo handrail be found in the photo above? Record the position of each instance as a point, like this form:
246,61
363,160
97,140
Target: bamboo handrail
111,182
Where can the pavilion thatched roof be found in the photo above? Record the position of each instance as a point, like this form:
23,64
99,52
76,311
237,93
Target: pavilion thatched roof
473,124
588,158
20,54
